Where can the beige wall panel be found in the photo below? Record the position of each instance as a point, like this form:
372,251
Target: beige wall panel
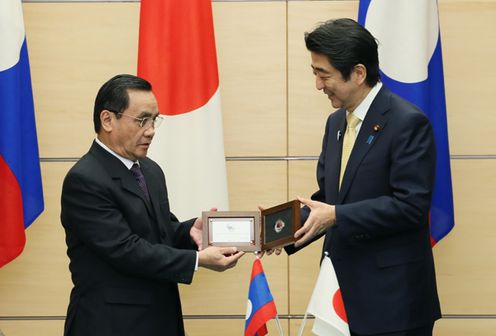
250,184
308,108
251,44
37,283
295,325
465,327
253,183
302,178
466,258
74,48
468,31
30,328
227,327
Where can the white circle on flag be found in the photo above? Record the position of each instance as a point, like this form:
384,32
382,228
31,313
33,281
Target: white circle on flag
11,33
249,308
407,32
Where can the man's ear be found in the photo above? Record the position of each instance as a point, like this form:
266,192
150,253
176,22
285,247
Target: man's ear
106,120
360,73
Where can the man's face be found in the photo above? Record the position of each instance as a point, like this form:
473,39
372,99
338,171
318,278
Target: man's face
341,93
127,138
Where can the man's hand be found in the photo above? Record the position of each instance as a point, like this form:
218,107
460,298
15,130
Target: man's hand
219,258
277,251
196,231
322,217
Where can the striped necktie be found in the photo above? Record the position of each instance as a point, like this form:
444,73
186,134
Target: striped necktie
140,178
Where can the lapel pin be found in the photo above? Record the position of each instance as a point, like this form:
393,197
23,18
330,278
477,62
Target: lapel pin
376,128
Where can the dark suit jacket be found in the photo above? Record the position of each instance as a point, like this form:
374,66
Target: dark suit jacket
126,254
380,245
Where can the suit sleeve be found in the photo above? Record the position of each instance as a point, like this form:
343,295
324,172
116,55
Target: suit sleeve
411,180
182,238
94,221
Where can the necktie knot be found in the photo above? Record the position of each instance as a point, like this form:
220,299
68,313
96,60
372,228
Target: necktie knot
352,120
136,171
140,178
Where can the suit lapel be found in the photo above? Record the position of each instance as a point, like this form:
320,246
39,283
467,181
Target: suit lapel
371,129
335,143
119,172
128,182
154,191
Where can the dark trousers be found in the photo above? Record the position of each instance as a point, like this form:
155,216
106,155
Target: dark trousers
424,331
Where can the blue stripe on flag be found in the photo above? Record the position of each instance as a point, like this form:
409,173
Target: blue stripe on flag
259,293
18,141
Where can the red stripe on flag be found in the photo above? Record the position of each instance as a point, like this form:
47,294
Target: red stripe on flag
12,236
177,53
258,320
256,269
433,241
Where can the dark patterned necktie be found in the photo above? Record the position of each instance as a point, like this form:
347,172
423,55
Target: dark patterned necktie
140,178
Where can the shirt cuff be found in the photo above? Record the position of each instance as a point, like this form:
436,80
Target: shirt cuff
196,263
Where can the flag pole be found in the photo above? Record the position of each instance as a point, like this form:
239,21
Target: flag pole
302,326
279,326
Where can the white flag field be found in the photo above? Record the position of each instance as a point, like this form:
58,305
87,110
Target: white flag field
326,304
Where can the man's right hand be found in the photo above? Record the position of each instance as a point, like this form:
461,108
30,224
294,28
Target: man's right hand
276,250
219,258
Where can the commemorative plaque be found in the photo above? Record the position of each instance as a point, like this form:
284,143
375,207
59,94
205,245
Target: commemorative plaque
251,231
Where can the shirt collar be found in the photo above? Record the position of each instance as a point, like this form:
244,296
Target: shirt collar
128,163
361,110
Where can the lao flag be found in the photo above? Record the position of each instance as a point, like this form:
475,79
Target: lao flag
411,66
177,55
326,304
261,307
21,196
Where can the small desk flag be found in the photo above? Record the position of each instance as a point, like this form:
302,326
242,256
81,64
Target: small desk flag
326,304
261,307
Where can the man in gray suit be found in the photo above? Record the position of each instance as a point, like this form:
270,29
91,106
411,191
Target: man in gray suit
127,250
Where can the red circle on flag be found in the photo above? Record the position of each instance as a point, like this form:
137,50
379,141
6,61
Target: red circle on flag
337,303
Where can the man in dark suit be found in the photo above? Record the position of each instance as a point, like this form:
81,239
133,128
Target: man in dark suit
127,250
373,208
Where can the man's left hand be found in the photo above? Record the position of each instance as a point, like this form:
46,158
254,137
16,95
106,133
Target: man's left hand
322,217
196,231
